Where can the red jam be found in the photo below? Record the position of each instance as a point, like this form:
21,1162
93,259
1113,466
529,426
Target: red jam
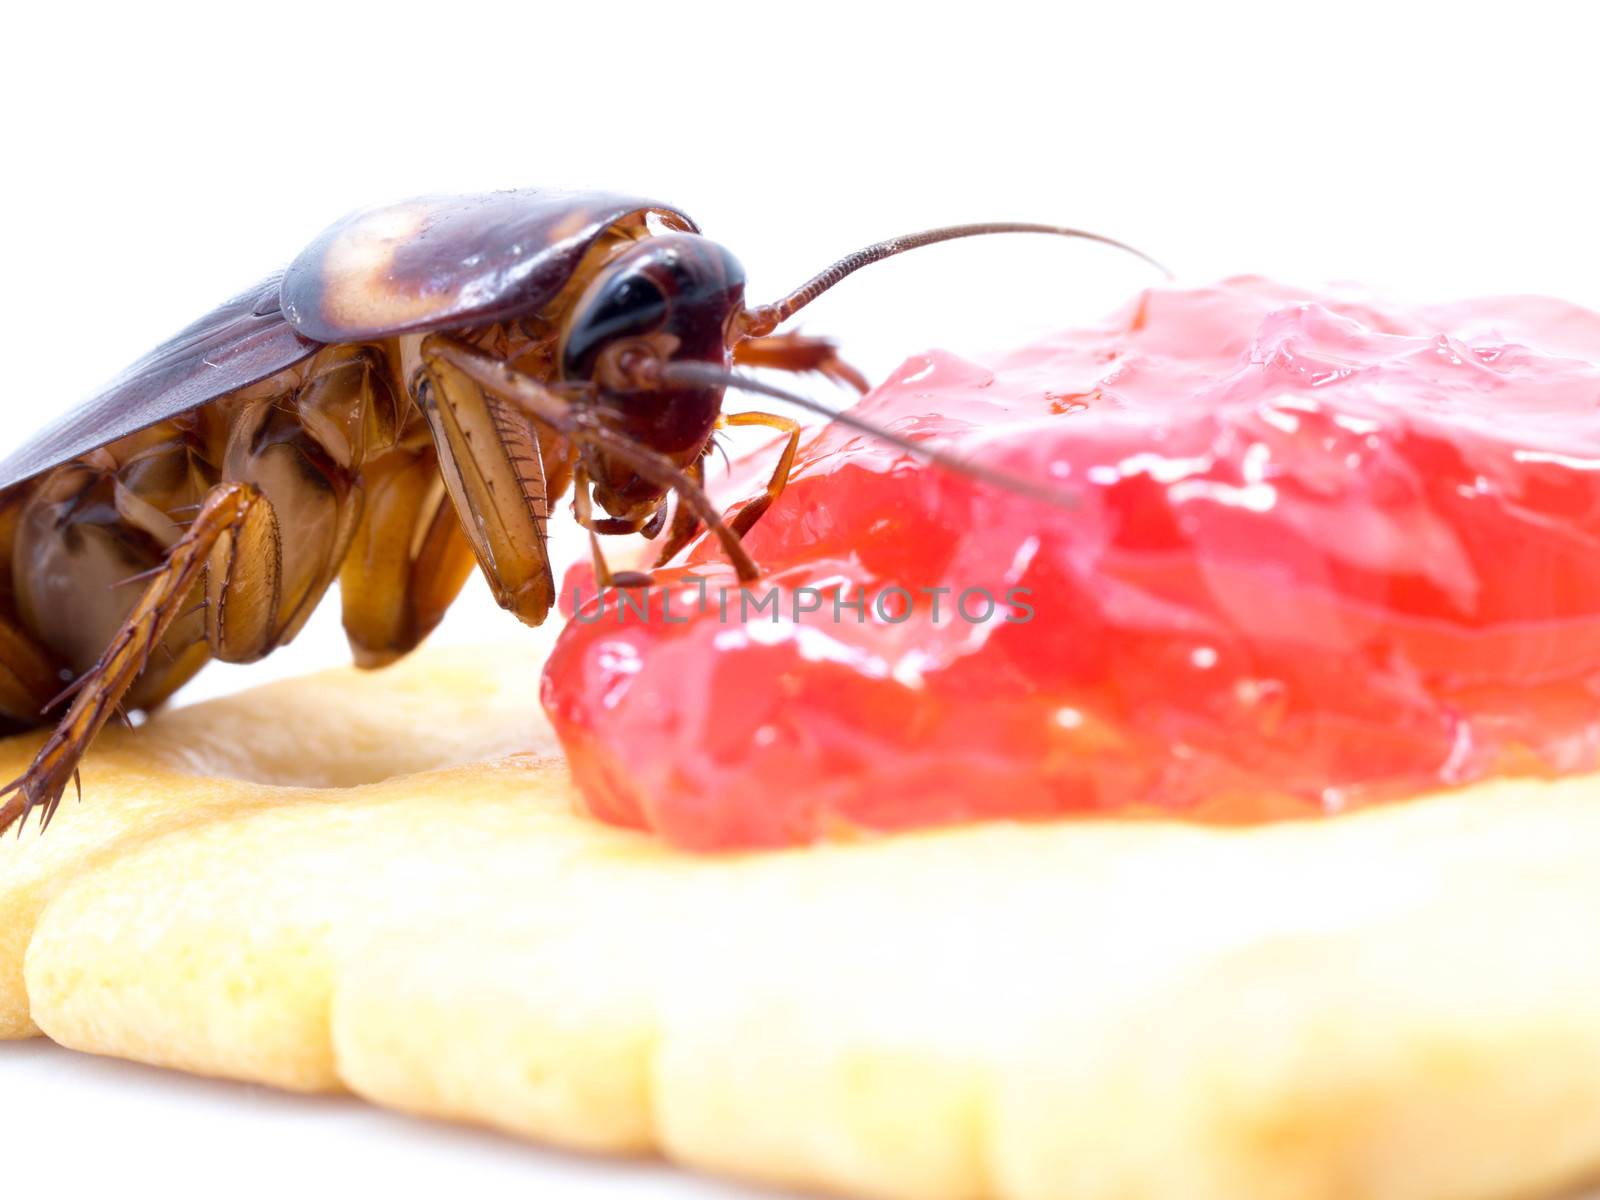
1328,550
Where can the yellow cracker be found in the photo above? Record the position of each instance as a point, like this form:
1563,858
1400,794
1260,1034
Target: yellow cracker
1399,1003
334,729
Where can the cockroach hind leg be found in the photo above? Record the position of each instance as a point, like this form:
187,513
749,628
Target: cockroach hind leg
16,807
30,791
542,405
98,695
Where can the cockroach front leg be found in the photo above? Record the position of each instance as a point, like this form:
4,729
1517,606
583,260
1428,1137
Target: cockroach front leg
583,513
581,428
684,523
235,536
493,468
752,512
800,354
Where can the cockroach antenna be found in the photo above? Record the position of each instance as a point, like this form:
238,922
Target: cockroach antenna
764,318
709,375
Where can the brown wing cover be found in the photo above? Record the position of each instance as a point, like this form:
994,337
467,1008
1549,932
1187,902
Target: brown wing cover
438,261
422,264
237,344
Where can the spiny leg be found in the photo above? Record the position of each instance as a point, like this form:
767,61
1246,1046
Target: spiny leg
752,512
583,512
231,511
90,533
493,467
581,427
407,563
798,353
684,522
316,499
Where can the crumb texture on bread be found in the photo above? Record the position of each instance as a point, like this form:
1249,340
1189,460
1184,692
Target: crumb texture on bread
320,885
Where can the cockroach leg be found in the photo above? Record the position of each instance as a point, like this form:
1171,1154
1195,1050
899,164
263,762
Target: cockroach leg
581,427
244,581
314,497
657,522
798,353
602,569
684,522
660,471
752,512
488,453
230,509
583,513
407,563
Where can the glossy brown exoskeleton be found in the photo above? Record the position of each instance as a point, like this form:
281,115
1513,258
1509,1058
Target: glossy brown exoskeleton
406,400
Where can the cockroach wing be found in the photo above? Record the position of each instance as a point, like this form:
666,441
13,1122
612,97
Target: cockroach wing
237,344
439,261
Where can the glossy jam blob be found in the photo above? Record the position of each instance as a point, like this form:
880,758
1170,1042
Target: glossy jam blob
1327,550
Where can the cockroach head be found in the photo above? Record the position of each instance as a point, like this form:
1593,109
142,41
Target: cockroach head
667,299
664,298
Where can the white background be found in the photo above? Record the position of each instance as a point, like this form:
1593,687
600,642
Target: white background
160,158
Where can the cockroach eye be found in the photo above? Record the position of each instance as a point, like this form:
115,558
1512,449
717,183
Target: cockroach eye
621,303
681,285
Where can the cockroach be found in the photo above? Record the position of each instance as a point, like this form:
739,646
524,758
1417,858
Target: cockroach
403,402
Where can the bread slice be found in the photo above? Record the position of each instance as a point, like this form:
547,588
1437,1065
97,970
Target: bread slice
345,882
